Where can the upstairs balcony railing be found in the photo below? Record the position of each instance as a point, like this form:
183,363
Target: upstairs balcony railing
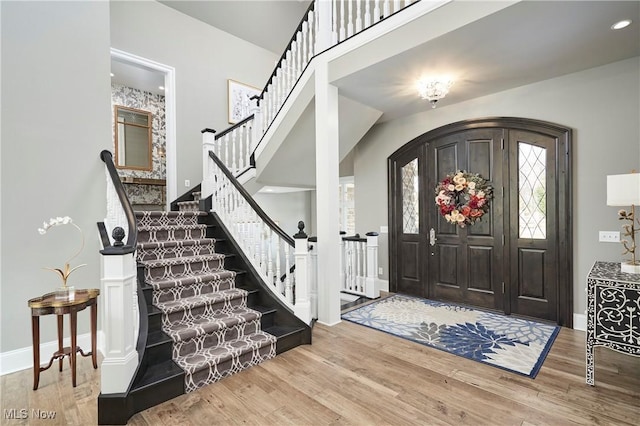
325,24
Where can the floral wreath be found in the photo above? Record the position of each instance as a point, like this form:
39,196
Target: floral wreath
463,198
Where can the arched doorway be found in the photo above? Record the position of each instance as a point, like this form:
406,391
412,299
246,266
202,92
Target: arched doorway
517,257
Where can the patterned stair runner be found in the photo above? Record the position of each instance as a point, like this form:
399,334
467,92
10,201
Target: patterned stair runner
214,333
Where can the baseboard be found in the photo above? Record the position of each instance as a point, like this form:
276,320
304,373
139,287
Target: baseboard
580,322
382,285
22,359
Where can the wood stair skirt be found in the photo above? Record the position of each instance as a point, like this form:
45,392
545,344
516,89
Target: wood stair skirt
208,316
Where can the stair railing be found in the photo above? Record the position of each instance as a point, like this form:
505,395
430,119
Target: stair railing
271,251
358,266
325,24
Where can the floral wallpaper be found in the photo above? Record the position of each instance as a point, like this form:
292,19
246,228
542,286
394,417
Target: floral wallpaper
155,104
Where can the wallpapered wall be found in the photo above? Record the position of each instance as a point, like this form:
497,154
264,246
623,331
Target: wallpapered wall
155,104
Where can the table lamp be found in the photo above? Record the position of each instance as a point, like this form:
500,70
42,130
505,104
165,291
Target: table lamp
624,190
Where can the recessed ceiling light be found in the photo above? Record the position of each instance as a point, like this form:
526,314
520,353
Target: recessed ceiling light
161,87
621,24
113,75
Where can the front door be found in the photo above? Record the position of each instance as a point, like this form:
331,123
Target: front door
517,257
466,263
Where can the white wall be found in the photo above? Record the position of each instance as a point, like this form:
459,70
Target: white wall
203,57
601,105
287,209
56,118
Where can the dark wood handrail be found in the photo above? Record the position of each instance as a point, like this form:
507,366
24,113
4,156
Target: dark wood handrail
249,199
235,126
132,238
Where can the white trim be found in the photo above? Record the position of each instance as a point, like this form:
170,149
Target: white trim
382,285
22,359
580,322
170,115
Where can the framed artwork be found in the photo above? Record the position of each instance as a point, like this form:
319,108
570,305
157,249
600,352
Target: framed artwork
240,100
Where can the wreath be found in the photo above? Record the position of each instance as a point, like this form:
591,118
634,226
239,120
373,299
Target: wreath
463,198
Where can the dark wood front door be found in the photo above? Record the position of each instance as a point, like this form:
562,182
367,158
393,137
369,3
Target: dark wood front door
517,258
465,264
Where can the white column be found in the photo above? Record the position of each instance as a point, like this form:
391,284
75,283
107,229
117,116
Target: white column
372,266
120,355
208,144
327,206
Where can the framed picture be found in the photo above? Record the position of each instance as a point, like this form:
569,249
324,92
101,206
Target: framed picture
240,100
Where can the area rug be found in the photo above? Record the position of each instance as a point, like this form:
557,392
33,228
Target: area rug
513,344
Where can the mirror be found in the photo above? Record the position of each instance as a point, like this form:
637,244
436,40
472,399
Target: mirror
133,139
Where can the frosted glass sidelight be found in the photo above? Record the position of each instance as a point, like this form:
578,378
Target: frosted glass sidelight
410,197
532,191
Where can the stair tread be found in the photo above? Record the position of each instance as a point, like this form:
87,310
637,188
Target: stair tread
191,279
201,300
207,357
158,372
280,331
179,260
144,228
193,327
176,243
140,213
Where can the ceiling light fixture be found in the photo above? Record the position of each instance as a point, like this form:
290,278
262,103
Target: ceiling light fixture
161,87
434,89
621,24
113,75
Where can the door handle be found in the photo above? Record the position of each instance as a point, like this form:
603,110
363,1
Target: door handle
432,237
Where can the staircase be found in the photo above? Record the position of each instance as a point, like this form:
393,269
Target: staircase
204,300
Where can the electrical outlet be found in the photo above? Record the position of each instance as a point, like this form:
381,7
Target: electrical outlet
187,183
609,236
380,271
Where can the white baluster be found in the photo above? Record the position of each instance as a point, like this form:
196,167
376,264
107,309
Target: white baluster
387,8
243,147
350,20
376,11
358,17
269,255
367,14
305,49
358,273
311,30
288,285
396,5
289,73
278,283
294,61
334,23
342,17
234,164
225,159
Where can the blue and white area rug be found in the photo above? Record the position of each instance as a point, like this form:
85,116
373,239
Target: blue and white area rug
513,344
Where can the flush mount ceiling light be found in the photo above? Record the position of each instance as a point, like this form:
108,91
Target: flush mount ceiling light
621,24
434,89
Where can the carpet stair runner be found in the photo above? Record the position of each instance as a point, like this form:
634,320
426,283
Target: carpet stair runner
213,331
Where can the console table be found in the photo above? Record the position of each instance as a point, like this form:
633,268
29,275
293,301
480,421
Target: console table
613,312
51,303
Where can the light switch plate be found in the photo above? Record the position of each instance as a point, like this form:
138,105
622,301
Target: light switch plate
609,236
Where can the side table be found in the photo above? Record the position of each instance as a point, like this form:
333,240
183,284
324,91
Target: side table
50,304
613,312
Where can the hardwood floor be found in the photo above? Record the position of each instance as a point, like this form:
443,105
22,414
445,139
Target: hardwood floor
353,375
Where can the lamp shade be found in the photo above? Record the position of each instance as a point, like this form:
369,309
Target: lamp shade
623,190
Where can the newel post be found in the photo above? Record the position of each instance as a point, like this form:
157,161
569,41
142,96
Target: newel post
302,305
342,262
119,321
372,266
208,144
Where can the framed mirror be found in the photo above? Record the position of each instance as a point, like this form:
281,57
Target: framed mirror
133,138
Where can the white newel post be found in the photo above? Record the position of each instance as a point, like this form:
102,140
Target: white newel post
302,307
313,278
343,276
372,266
208,144
256,130
120,355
